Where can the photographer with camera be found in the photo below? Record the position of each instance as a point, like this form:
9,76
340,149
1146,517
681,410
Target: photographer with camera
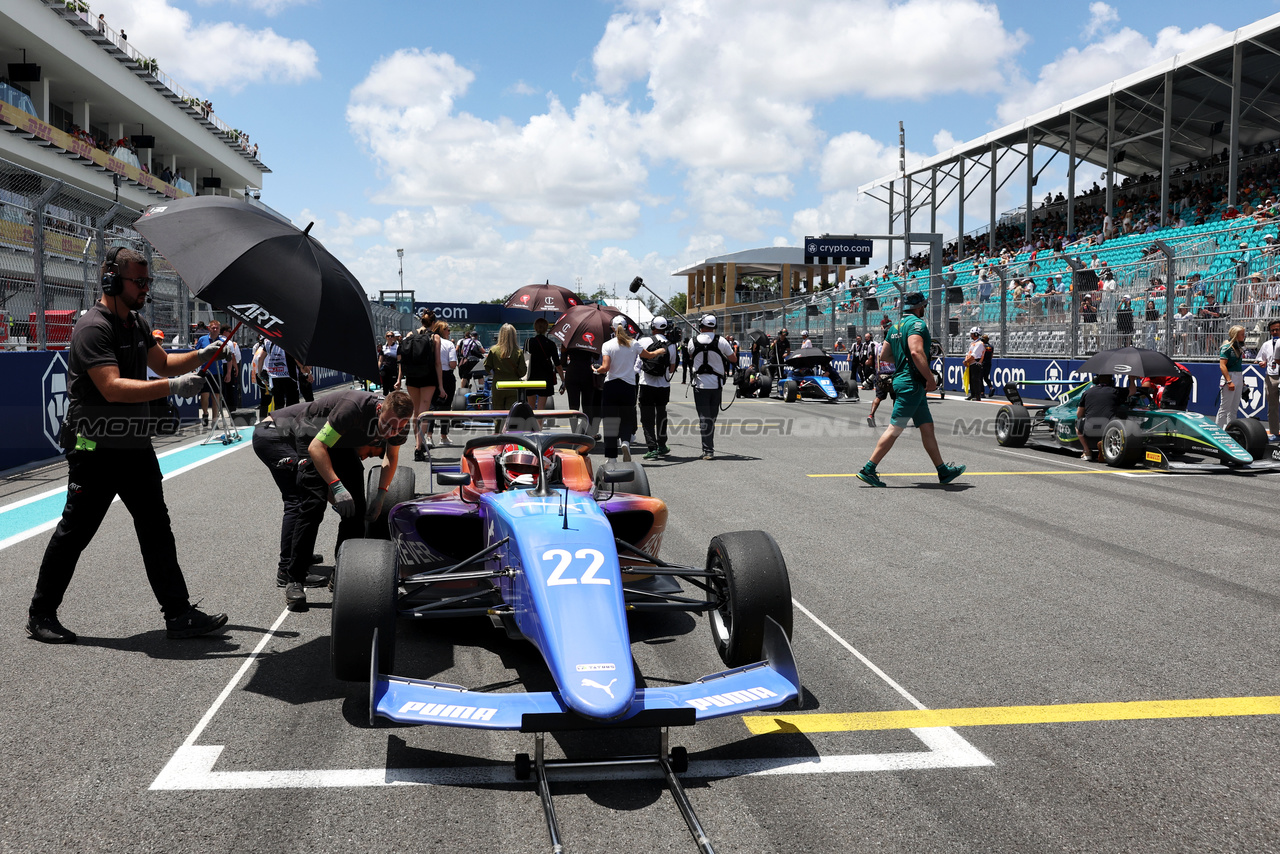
107,436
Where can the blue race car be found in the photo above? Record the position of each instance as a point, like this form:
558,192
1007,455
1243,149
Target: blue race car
808,373
558,556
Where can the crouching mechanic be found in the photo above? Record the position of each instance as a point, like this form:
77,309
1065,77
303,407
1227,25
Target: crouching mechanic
907,345
315,452
107,436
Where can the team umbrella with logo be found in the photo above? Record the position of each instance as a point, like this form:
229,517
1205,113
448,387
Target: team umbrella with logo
587,327
545,297
268,273
1134,361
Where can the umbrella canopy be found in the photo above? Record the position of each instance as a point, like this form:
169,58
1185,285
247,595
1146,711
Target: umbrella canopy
547,297
757,335
808,357
587,327
1130,360
266,272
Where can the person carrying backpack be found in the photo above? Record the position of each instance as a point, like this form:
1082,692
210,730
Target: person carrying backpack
420,366
655,388
470,353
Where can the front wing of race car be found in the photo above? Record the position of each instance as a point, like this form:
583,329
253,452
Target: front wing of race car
764,685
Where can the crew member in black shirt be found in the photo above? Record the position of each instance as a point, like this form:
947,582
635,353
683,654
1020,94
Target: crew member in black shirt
107,435
1098,405
314,452
544,364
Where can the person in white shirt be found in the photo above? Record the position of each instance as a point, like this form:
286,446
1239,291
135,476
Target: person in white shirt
805,343
709,359
618,398
973,363
448,381
1269,356
655,388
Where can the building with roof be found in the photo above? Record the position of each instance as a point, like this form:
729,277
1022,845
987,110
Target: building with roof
718,282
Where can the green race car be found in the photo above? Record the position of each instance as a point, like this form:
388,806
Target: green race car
1140,434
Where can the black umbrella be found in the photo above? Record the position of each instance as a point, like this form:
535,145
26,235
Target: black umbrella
1130,360
587,327
808,357
757,335
547,297
269,274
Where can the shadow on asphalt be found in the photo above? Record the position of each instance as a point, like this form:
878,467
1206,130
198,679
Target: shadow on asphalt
156,644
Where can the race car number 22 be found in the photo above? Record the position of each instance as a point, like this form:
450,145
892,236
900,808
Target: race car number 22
594,558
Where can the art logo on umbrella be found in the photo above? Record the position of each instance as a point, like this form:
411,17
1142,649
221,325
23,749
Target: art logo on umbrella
258,317
1121,369
589,337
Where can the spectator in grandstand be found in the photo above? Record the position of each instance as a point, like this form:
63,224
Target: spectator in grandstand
1182,326
1124,323
1231,364
1269,359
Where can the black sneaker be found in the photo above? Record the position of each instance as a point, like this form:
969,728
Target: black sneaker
49,630
419,456
295,598
317,558
313,580
194,623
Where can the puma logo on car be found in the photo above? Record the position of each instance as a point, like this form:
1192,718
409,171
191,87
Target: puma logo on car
731,698
608,689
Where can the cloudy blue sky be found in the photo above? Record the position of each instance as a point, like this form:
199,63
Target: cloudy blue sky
586,142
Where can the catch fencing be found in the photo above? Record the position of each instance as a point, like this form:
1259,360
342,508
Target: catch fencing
1180,297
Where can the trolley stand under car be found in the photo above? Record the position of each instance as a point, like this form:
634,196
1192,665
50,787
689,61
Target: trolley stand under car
222,430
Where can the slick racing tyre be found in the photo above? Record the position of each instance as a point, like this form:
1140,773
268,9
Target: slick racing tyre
459,402
401,490
750,579
790,391
1121,444
364,599
1013,426
1250,435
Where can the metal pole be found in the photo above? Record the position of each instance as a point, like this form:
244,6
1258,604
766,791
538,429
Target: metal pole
1165,152
1233,159
1071,175
1004,310
892,186
1031,177
960,161
37,263
991,229
1170,270
1111,164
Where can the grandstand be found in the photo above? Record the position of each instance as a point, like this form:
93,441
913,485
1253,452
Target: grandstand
1187,214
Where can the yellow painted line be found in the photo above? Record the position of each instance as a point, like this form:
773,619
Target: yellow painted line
1003,715
971,473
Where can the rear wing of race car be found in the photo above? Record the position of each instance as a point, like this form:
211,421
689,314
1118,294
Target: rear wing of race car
764,685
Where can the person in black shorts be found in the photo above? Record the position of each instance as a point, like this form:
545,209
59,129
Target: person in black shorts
544,364
1098,405
314,452
580,385
883,384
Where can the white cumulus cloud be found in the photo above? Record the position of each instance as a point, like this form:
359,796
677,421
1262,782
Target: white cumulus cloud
209,56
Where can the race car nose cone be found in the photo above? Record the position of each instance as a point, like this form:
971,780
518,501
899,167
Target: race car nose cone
602,695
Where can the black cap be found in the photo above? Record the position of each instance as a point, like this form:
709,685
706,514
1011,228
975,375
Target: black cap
915,299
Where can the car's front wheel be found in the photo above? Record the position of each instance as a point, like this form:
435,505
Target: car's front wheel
1013,426
1121,444
790,391
364,599
750,578
1250,435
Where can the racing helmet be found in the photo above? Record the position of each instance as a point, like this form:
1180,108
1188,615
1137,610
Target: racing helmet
519,466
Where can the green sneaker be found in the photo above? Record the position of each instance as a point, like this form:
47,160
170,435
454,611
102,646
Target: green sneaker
948,472
652,455
663,451
869,477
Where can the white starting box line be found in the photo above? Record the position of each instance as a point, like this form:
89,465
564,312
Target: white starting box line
192,766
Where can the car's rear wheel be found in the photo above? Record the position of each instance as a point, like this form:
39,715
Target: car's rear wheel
1121,444
790,391
750,578
401,490
1013,426
459,403
1250,435
364,599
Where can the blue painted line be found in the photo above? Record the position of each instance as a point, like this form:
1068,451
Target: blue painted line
19,518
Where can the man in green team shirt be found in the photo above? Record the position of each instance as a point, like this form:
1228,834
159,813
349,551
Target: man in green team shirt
907,345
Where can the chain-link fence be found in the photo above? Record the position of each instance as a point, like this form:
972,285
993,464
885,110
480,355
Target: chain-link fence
1180,295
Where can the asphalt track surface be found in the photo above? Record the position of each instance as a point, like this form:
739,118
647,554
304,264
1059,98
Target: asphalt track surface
1055,613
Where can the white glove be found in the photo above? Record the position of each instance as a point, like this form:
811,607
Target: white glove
187,385
206,352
